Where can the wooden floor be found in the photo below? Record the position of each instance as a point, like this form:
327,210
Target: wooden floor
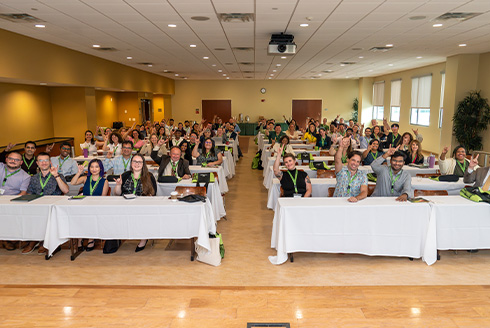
162,288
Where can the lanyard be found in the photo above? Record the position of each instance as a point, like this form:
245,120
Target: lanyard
393,138
462,167
126,163
62,162
372,154
393,181
284,151
135,183
344,158
8,176
294,180
174,167
95,185
322,141
115,149
30,164
351,179
208,154
414,158
45,182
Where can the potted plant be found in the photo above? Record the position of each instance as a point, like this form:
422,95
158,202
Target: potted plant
355,109
471,118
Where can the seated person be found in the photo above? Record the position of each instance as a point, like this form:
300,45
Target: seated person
192,140
480,176
414,153
150,144
207,154
46,182
294,183
137,181
29,164
65,164
230,131
172,165
365,140
276,134
120,164
392,137
458,164
392,180
311,135
292,132
323,141
94,184
286,147
372,152
220,136
206,133
186,152
90,143
351,182
113,144
344,151
177,139
404,142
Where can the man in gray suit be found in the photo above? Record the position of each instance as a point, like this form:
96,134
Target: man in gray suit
480,176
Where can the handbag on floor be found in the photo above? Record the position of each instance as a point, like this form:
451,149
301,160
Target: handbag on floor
212,257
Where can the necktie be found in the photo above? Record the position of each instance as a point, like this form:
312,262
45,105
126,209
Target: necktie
486,186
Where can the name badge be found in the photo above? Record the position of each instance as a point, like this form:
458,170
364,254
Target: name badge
2,191
297,195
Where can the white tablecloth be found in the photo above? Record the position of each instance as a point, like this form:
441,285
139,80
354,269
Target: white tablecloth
118,218
266,153
327,225
81,159
461,223
233,145
327,159
25,221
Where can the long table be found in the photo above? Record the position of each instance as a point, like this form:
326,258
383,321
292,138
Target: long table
381,227
320,187
118,218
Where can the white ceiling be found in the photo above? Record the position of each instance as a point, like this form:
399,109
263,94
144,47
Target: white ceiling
139,28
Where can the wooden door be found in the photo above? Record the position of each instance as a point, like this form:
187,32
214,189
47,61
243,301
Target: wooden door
220,108
306,108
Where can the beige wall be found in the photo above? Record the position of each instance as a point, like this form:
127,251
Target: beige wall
128,105
484,86
432,133
25,113
106,104
337,96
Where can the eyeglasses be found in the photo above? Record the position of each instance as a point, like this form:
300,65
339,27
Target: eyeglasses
138,162
396,161
65,148
14,159
43,160
127,148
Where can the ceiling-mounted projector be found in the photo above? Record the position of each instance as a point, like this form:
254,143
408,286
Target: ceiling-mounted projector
281,44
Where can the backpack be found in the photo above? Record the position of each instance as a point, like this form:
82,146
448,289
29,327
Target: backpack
257,162
475,194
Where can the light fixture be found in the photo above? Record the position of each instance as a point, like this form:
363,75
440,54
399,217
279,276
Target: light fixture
462,45
227,77
437,25
342,65
389,45
43,83
192,46
274,70
370,70
220,70
419,57
283,57
214,65
96,46
270,78
205,57
304,25
129,58
172,25
176,74
361,57
150,65
165,71
272,74
278,65
40,26
224,74
390,64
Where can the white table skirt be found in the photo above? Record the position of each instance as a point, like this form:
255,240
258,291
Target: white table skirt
233,145
118,218
272,159
80,159
25,221
320,187
461,223
327,225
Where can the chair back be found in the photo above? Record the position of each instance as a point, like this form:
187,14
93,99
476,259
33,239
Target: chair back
324,153
184,191
420,192
325,174
331,191
282,192
428,175
371,189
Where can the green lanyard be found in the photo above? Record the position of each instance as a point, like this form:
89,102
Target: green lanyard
95,185
462,167
284,151
45,182
393,181
393,138
30,164
344,159
8,176
174,167
62,162
323,141
115,149
125,163
135,183
294,180
351,179
208,154
375,156
414,158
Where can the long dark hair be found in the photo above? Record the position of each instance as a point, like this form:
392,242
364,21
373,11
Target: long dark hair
145,178
212,151
85,136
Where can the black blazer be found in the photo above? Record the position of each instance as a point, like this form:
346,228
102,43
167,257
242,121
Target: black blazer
182,167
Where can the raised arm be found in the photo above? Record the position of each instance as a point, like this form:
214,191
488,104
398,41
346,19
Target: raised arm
77,179
154,153
443,153
386,127
277,162
195,151
344,144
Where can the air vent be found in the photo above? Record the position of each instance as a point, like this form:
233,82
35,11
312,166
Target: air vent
145,64
236,18
106,49
200,18
243,48
380,49
356,49
248,72
457,16
246,63
21,18
167,72
219,49
347,63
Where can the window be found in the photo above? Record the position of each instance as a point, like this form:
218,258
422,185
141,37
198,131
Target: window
396,87
378,96
420,109
441,102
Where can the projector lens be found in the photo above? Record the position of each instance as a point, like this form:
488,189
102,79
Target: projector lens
281,48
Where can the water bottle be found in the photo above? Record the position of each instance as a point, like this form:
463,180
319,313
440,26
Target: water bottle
432,161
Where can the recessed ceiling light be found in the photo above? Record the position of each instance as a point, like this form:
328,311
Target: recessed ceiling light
417,17
342,65
270,78
224,74
129,58
214,65
304,25
96,46
43,83
437,25
278,65
419,57
272,74
40,26
389,45
220,70
346,77
283,57
462,45
150,65
370,70
176,74
390,64
205,57
192,46
227,77
200,18
185,78
172,25
274,70
361,57
165,71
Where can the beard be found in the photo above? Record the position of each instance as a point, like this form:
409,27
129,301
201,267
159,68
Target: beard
12,168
